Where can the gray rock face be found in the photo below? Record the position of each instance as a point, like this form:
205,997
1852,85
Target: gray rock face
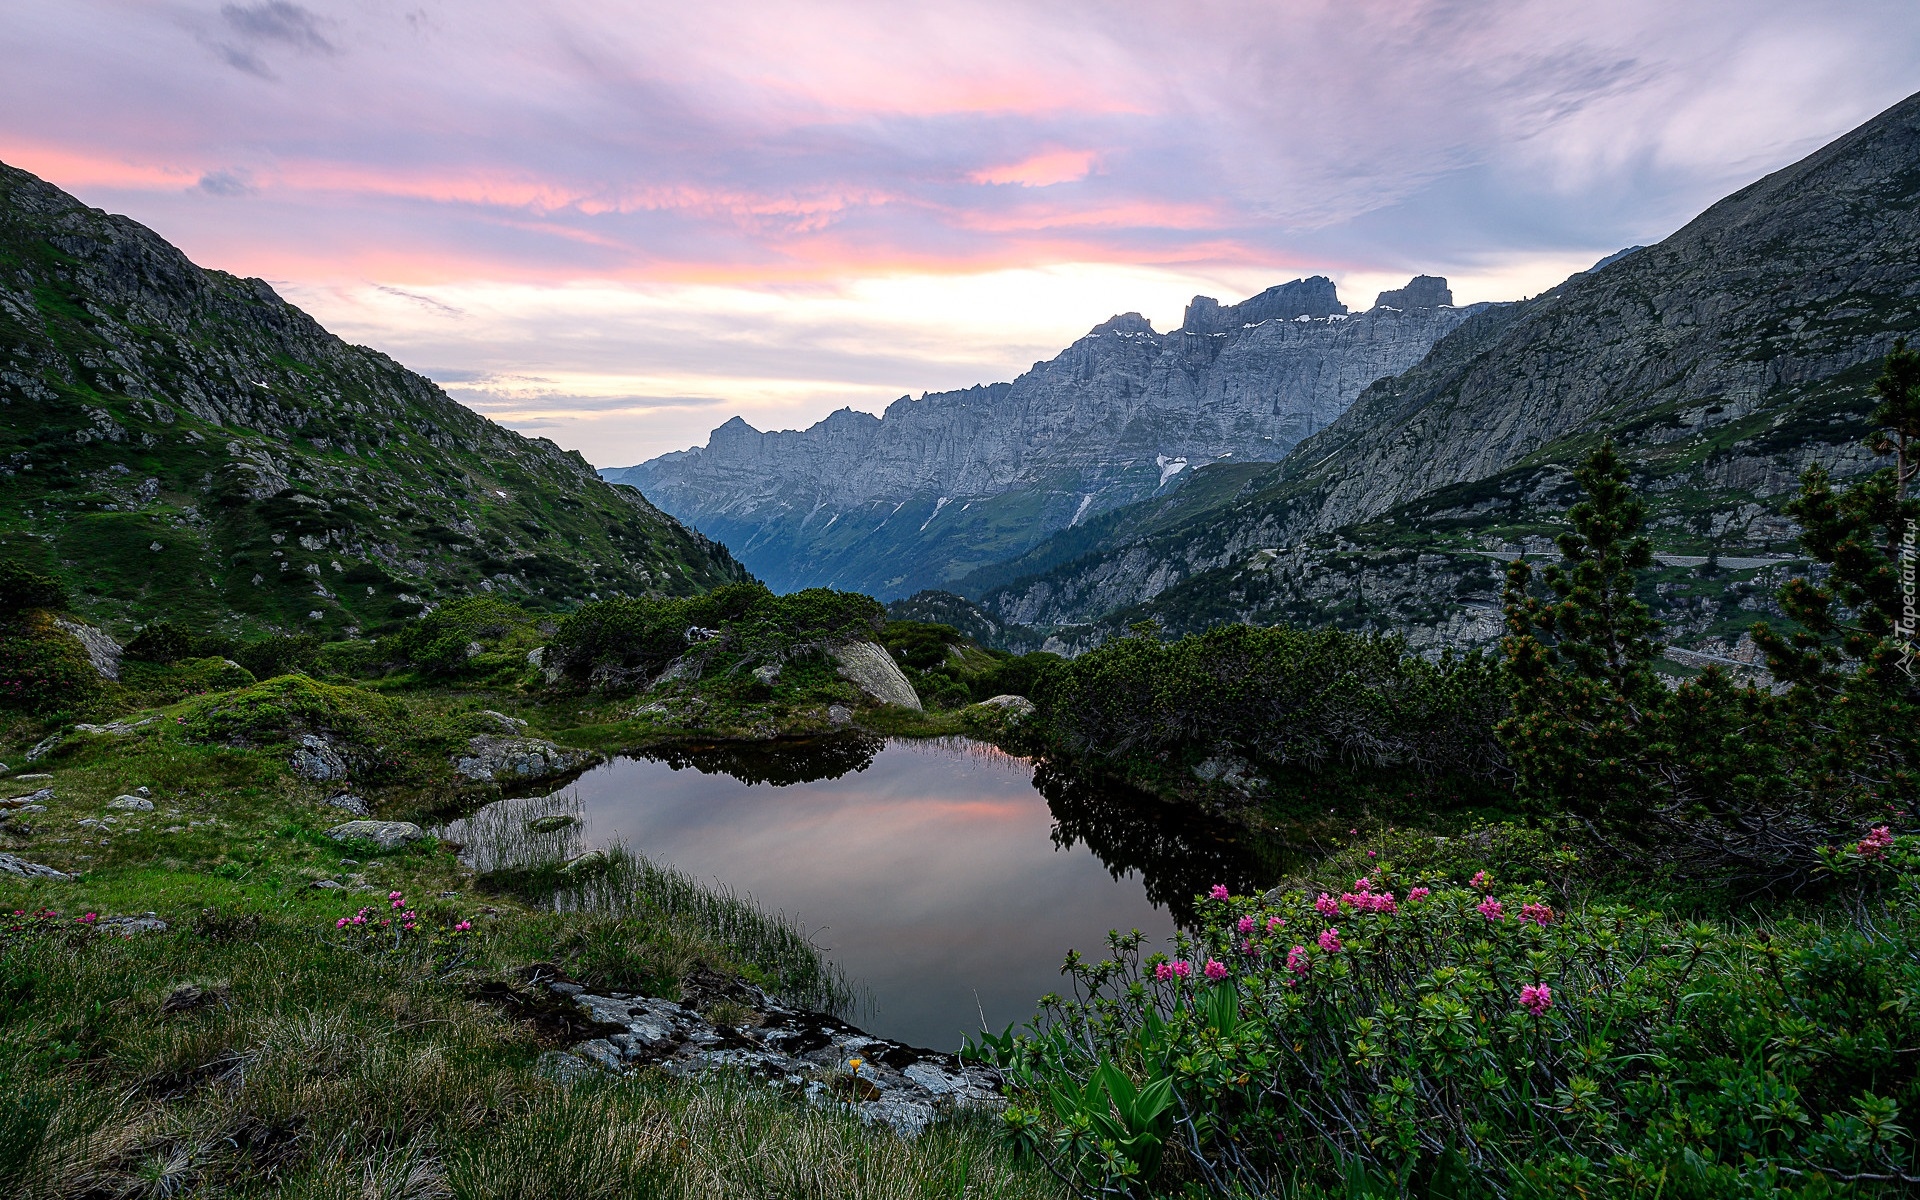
1013,706
1425,291
893,504
14,865
902,1087
348,802
500,759
131,804
1724,361
102,651
318,760
387,835
871,669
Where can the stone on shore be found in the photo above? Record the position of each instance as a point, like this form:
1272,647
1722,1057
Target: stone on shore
388,835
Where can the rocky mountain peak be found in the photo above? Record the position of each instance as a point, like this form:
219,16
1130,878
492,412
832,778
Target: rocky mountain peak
1131,322
1422,291
1311,297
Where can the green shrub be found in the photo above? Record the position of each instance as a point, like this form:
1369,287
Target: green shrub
23,591
455,638
161,642
1292,700
44,670
1410,1029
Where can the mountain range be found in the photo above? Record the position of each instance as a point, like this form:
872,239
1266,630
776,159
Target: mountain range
178,442
937,487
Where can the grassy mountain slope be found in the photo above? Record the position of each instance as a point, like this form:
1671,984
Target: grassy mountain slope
1725,360
177,442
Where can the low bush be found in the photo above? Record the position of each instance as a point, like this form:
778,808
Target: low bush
466,637
45,671
1431,1036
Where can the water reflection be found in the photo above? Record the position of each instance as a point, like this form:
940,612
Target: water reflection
1176,853
934,872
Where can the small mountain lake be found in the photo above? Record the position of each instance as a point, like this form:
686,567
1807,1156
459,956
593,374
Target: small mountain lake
946,878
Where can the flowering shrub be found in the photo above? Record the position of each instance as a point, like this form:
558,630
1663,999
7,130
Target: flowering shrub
398,929
1442,1043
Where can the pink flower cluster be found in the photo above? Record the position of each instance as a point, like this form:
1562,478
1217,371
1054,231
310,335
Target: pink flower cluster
1415,895
1492,909
1215,969
1330,940
1876,843
1327,906
1173,970
1539,914
1297,960
1276,924
1479,881
359,918
1219,892
394,900
1536,998
1245,925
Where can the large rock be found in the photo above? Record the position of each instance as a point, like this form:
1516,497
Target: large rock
871,669
102,651
318,760
503,759
388,835
13,865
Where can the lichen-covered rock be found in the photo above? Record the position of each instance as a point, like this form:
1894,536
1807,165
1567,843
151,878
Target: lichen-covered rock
1011,705
130,804
388,835
131,926
502,759
871,669
348,802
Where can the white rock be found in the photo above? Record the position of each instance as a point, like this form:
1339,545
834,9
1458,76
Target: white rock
130,804
385,834
871,669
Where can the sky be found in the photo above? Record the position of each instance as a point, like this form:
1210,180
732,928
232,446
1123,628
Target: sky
618,224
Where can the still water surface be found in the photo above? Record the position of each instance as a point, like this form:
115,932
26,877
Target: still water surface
936,874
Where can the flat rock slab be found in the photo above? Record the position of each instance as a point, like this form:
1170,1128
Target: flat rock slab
387,835
871,669
896,1085
14,865
45,793
131,926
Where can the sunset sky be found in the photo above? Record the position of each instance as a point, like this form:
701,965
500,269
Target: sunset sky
618,224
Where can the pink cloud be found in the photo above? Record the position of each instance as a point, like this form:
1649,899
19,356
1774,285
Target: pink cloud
1041,170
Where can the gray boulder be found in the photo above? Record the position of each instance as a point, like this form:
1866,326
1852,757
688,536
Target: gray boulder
494,759
132,926
45,793
316,759
387,835
871,669
1011,705
21,868
130,804
349,802
102,651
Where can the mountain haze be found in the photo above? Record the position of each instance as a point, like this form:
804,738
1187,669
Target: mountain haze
178,442
939,486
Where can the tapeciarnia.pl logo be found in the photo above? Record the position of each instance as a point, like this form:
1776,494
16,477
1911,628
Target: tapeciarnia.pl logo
1908,625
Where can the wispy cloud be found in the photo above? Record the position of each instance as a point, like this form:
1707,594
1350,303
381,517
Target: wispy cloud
765,164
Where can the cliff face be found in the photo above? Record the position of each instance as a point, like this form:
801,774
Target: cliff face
179,442
954,480
1724,360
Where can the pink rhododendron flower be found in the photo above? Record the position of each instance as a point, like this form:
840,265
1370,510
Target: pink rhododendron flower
1247,947
1297,960
1876,843
1183,968
1417,894
1330,940
340,924
1276,924
1373,854
463,926
1536,998
1215,969
1163,971
1479,880
1492,910
393,895
89,918
1245,925
1539,914
1326,905
1219,891
1363,884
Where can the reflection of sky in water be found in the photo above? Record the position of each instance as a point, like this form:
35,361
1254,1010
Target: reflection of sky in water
930,875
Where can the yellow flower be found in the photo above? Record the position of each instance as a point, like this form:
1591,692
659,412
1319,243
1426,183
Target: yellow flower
853,1064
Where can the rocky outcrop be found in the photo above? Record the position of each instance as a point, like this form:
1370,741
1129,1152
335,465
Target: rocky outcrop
514,759
871,669
1423,291
102,651
20,868
896,503
821,1057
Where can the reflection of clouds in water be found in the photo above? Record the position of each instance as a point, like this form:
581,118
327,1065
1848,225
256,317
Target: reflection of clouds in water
931,875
